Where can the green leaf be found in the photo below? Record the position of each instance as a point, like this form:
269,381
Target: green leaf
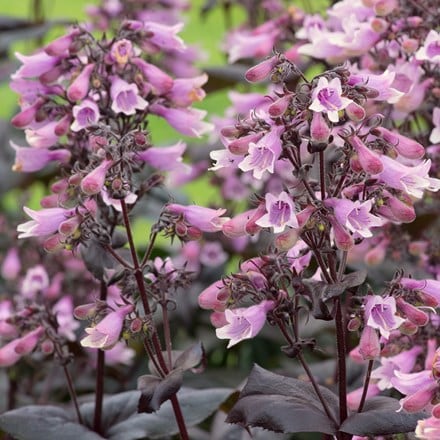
44,422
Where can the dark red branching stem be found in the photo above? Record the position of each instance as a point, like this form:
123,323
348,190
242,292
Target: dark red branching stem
72,393
100,366
366,384
155,339
342,368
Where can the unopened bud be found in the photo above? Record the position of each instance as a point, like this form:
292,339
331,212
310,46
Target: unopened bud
136,325
354,324
84,311
355,112
286,240
385,7
319,130
414,314
369,346
408,328
262,70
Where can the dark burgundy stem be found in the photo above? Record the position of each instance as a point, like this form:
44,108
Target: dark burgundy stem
155,339
366,384
100,366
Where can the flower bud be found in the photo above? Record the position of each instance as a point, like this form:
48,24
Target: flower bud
84,311
343,239
410,45
368,159
194,233
241,145
419,400
236,226
402,211
53,243
63,125
80,86
47,346
11,265
59,46
69,226
408,328
136,325
94,181
354,324
286,240
385,7
218,319
355,112
26,116
278,108
414,314
214,297
369,346
28,342
319,130
262,70
379,25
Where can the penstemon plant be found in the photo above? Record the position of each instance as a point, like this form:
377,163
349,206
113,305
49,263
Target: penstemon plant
330,178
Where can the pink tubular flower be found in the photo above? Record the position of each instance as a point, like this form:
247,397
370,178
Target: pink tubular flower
262,70
412,180
42,137
185,91
106,333
125,97
355,216
263,154
326,97
164,37
428,287
85,114
121,51
380,313
94,181
44,222
28,342
428,429
205,219
11,265
34,65
8,355
59,46
161,82
280,213
163,158
29,160
214,297
319,129
187,121
406,147
244,323
430,51
435,133
80,86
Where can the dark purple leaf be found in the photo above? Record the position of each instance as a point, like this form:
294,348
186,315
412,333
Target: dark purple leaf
191,357
155,391
381,416
283,404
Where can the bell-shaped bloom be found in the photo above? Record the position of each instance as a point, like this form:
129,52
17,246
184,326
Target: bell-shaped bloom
263,154
121,51
428,429
187,121
44,222
412,180
215,297
205,219
106,333
369,346
60,45
428,287
29,341
164,37
381,83
94,181
125,97
355,216
163,158
34,65
161,82
380,313
280,212
85,114
185,91
43,136
79,88
403,362
36,280
430,51
29,160
406,147
327,97
244,323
